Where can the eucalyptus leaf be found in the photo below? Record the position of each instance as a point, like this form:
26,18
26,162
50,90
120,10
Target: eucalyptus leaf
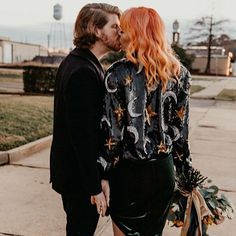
212,204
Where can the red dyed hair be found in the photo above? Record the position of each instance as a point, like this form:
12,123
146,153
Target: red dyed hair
149,46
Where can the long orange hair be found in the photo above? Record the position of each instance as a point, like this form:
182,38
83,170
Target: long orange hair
148,45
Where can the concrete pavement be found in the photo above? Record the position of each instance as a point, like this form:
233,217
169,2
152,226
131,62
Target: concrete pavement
30,208
213,85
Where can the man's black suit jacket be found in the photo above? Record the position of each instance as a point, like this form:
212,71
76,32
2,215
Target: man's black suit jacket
77,113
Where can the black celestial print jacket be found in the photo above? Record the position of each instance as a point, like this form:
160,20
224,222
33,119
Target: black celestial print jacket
139,124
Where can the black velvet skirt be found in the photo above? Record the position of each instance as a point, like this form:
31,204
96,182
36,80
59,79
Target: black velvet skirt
141,194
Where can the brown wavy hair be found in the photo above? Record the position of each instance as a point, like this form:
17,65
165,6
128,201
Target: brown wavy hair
90,17
149,46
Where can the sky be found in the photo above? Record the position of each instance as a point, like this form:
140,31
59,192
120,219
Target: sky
30,12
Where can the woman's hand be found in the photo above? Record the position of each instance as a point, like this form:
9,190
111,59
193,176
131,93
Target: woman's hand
100,202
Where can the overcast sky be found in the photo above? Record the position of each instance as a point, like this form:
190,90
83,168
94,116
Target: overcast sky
22,12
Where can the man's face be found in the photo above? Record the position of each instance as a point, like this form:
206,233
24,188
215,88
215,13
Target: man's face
110,33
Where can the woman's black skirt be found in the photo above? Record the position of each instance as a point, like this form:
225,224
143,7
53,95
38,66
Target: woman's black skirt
141,193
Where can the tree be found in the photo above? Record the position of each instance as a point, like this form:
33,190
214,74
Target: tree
184,58
207,29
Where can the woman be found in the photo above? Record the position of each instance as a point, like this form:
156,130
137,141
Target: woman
146,126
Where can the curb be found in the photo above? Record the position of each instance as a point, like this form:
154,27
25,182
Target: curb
3,158
24,151
202,97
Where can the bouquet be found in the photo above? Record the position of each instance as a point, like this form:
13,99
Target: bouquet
197,204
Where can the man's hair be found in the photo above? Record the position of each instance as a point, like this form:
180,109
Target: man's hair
90,17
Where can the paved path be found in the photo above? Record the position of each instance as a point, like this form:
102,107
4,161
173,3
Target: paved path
213,85
28,206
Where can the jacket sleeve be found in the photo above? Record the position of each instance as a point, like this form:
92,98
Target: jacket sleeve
112,124
83,125
181,151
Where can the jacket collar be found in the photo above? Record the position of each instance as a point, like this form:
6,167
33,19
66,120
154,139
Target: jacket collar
87,55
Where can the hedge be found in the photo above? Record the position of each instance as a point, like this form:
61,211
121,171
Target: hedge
39,79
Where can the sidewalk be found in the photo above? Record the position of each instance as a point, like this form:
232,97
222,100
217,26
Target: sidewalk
30,208
213,85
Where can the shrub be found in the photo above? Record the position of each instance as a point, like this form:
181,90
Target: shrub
39,79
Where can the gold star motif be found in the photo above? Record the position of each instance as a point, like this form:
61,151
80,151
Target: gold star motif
119,112
179,156
109,143
161,148
128,80
181,112
149,114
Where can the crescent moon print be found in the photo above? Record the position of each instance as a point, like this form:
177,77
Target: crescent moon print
169,94
134,131
130,108
146,140
140,68
176,133
110,90
103,162
122,133
104,119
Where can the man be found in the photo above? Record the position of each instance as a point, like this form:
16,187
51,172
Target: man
77,114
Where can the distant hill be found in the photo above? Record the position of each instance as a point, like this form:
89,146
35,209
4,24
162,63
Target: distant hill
39,33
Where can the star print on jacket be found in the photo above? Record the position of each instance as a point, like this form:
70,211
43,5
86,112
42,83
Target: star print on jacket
139,124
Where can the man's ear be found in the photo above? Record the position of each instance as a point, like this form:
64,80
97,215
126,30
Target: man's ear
98,32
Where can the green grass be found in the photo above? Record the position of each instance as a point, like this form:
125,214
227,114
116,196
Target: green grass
204,79
196,88
227,94
24,119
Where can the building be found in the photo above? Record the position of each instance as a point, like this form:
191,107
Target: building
220,64
220,60
17,52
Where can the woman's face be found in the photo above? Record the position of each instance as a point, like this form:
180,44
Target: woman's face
124,39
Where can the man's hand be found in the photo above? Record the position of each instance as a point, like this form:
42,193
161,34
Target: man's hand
106,191
100,202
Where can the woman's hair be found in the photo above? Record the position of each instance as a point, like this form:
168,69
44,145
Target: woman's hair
90,17
149,46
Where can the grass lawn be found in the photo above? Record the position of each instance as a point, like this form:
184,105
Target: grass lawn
205,78
196,88
227,94
24,119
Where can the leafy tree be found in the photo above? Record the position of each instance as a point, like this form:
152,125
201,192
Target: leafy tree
208,30
184,58
221,40
112,57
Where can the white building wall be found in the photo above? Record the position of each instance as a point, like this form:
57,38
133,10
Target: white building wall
14,52
26,52
220,65
1,59
6,52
